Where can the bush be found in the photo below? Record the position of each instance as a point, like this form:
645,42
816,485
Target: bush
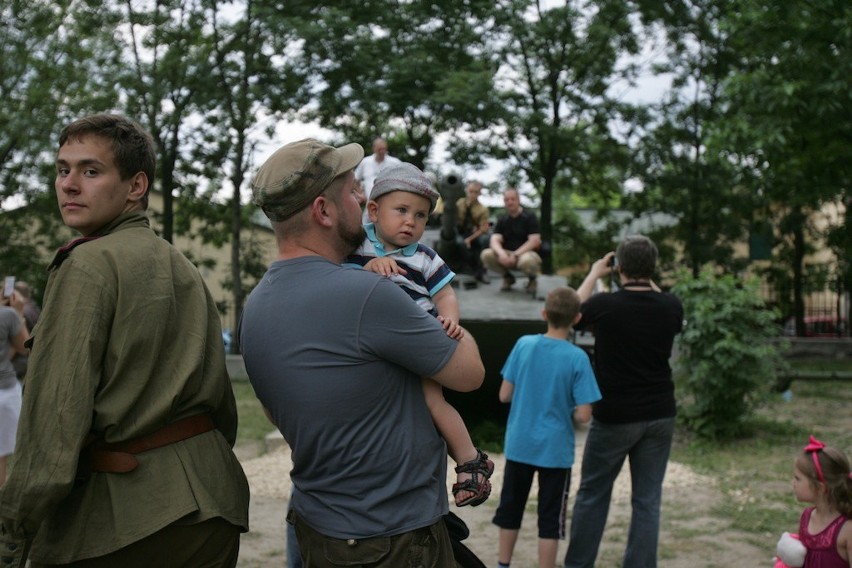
488,435
726,365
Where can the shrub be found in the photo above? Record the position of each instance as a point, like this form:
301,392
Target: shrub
726,365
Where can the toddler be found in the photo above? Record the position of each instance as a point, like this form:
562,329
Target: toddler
400,203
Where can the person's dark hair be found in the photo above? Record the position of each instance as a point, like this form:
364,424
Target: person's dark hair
637,257
562,306
132,146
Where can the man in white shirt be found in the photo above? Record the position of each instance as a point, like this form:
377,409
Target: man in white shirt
371,165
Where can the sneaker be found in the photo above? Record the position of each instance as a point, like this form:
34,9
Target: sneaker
532,286
508,280
482,277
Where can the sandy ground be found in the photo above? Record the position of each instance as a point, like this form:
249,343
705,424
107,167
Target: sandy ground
691,536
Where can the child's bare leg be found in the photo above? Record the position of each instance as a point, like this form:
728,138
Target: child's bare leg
506,547
547,548
451,427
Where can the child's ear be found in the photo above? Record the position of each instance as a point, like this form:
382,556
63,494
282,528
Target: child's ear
577,318
372,211
543,314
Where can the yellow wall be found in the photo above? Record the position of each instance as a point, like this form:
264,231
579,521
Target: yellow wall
221,272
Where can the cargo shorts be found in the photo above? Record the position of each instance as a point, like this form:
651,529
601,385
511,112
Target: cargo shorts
427,547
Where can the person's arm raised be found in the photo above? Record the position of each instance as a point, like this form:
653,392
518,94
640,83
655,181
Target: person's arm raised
599,269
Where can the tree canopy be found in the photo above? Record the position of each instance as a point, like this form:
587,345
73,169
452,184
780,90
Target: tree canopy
754,131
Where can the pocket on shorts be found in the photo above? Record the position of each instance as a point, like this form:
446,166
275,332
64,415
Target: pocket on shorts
369,551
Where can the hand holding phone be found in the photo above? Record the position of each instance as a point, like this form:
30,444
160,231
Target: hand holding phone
9,287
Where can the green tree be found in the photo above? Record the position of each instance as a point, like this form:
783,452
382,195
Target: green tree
168,49
55,65
252,89
52,58
683,172
789,122
555,128
416,70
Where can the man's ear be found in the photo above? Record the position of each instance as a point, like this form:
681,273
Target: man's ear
320,210
372,211
138,187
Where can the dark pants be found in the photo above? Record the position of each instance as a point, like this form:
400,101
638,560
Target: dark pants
471,255
647,445
427,547
553,486
212,544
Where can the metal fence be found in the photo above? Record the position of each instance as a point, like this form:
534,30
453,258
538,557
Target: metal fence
826,310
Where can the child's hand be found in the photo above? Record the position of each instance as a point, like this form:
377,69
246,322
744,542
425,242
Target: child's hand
453,329
385,265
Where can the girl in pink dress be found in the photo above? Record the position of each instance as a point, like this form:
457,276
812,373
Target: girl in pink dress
822,476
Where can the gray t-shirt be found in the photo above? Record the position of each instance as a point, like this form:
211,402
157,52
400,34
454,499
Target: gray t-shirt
337,355
10,326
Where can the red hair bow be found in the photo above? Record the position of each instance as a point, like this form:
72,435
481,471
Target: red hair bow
815,446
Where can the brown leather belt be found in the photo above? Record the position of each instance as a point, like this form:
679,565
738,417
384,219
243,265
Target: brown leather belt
119,457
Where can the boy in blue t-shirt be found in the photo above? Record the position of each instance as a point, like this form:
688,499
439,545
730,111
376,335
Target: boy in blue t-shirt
551,386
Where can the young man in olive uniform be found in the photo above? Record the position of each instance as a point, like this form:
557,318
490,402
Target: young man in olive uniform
124,453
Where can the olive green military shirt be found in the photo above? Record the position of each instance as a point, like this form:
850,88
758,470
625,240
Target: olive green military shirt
129,340
470,217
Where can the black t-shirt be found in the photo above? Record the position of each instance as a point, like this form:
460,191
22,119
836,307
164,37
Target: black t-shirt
516,230
634,333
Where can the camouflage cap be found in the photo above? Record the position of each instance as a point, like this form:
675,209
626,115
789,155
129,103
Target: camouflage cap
297,173
404,177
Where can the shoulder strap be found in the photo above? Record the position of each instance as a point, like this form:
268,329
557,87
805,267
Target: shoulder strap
65,251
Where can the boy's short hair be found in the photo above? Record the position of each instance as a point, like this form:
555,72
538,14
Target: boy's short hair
132,147
562,306
637,256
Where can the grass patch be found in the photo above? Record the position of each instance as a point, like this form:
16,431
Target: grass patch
754,473
254,425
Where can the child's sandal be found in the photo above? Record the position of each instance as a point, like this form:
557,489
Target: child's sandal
480,469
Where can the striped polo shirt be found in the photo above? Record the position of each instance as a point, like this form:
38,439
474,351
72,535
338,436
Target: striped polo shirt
426,272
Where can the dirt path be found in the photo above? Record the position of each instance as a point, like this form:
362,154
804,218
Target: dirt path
691,536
